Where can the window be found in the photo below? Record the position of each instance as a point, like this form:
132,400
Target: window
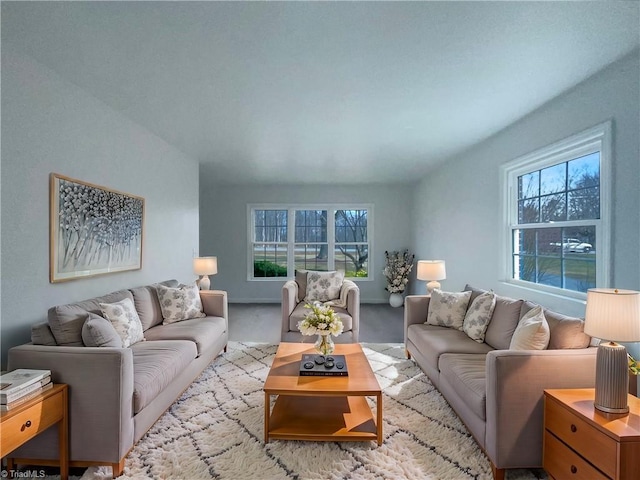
326,238
557,215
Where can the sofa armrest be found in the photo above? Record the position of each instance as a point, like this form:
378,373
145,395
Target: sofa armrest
516,381
289,302
100,383
214,303
353,308
416,308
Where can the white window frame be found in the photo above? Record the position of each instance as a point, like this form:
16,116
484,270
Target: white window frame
597,138
291,209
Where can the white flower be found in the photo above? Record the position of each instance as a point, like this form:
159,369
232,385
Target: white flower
321,320
397,270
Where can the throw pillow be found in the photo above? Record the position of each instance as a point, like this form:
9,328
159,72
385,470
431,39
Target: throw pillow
447,309
180,303
478,316
99,332
323,286
125,320
532,332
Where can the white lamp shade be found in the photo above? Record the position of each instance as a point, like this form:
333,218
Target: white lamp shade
431,270
205,265
613,314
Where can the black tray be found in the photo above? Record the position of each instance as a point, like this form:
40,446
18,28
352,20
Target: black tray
321,366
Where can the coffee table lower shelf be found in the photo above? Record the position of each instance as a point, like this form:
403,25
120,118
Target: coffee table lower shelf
321,418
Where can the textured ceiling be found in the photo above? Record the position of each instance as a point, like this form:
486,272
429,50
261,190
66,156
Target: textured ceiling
318,92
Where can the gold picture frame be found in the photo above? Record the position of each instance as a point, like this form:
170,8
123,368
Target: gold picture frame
94,230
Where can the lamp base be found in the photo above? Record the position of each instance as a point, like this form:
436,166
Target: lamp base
431,286
612,378
204,283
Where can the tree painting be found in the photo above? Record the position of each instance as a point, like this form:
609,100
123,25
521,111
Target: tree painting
95,230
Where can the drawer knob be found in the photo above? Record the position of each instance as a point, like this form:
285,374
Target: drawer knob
574,429
26,425
574,469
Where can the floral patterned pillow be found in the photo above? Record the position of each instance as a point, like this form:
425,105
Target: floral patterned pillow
479,315
181,303
323,286
447,309
124,318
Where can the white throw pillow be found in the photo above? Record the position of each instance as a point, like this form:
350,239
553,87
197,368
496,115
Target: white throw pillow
124,318
323,286
478,316
532,332
181,303
447,309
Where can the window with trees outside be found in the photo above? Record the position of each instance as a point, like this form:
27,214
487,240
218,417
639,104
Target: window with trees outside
557,212
284,239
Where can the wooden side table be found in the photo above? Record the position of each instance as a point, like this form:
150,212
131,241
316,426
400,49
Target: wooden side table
583,442
19,425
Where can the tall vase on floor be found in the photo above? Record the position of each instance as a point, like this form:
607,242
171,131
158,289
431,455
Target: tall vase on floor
396,300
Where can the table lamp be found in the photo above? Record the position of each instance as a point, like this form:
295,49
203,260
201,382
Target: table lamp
205,266
612,316
431,271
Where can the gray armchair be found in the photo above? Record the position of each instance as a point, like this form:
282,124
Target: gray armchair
293,311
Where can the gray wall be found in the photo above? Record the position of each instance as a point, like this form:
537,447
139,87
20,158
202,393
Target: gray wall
223,220
459,214
49,125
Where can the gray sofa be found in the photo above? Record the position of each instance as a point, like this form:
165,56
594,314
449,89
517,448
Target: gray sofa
117,394
497,392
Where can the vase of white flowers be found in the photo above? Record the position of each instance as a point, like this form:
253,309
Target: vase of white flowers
323,321
397,269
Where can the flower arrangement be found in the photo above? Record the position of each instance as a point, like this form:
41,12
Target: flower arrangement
397,269
322,320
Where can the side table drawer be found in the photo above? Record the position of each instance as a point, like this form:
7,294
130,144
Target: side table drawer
28,423
563,463
582,437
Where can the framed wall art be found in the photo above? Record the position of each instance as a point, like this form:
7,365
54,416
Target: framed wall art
93,230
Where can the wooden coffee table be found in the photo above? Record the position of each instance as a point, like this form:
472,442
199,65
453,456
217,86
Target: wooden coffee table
328,409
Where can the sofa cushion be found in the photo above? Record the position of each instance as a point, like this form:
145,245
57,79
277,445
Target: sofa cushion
466,374
125,320
478,316
300,311
474,292
506,315
155,365
203,332
447,309
147,305
66,320
41,334
301,280
179,303
532,332
323,286
565,331
433,341
99,332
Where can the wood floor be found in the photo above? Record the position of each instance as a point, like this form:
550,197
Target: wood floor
260,322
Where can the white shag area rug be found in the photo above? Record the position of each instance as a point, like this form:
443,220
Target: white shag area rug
216,431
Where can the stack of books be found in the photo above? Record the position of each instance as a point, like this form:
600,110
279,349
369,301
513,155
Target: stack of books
21,385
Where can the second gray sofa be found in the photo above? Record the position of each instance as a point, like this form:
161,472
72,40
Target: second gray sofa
498,392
